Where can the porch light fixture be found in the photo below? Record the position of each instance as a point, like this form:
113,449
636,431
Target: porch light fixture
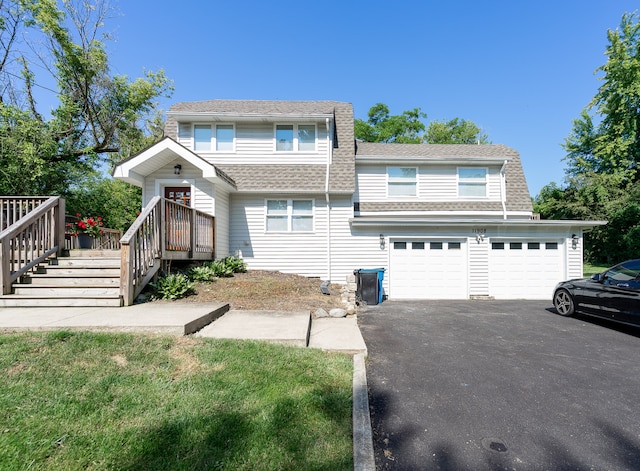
382,242
177,169
574,241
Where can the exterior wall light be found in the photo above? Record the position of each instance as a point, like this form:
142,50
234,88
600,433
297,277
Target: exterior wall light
177,169
382,242
574,241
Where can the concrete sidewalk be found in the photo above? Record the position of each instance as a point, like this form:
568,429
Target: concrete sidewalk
205,320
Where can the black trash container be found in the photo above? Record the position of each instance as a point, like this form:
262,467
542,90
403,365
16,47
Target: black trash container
369,285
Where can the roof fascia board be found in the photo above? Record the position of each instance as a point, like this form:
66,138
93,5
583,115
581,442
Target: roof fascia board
413,222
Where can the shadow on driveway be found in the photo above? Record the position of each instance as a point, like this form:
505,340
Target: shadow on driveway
491,385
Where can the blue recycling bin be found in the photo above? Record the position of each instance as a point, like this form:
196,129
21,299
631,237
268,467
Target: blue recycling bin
369,285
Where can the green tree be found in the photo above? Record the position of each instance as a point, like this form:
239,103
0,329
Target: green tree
455,131
98,113
613,144
603,150
406,128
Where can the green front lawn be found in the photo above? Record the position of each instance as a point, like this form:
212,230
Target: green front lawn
588,269
71,401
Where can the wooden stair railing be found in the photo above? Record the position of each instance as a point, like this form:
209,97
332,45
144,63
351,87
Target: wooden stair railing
34,232
165,230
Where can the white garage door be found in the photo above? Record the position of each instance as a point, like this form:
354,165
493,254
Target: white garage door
431,269
525,269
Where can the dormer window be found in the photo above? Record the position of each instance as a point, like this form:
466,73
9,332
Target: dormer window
202,138
225,135
402,181
295,137
472,181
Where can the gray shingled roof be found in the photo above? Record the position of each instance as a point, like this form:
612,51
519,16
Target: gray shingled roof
257,107
285,177
373,149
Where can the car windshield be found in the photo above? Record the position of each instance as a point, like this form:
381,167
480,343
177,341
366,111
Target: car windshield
624,272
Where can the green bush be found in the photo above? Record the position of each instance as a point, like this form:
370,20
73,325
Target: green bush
202,273
236,264
174,286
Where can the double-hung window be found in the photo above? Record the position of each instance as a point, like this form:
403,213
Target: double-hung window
402,181
472,182
202,137
295,137
289,216
225,135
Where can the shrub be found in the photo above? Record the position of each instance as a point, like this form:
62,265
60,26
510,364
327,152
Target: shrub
202,273
174,286
236,264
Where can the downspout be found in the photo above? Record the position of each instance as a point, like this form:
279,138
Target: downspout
328,200
503,190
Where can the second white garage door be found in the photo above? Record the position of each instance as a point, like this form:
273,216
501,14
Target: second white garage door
433,269
525,269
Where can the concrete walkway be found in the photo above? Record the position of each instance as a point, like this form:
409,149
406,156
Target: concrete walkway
175,318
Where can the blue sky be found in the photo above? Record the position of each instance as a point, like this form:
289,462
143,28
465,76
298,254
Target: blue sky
520,70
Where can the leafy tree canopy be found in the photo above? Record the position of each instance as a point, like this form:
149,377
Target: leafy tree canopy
98,113
408,128
455,131
603,151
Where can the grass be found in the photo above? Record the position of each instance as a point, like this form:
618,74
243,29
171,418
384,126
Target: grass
94,401
590,269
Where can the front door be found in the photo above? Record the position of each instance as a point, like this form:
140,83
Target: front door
179,194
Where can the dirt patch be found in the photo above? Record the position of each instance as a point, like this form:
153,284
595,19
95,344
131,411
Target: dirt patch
268,290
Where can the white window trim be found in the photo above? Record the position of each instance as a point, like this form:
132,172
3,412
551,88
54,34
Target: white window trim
290,215
214,138
486,182
295,144
391,180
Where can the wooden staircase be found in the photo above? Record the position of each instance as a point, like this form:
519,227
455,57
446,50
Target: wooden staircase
87,278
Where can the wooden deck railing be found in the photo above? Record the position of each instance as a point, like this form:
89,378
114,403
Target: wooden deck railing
34,231
109,240
13,208
165,230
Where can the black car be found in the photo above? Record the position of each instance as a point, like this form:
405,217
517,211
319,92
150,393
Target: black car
613,294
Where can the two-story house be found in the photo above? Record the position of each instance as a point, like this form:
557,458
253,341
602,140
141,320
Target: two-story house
291,190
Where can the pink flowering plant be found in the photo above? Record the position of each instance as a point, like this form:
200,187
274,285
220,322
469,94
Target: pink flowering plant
86,225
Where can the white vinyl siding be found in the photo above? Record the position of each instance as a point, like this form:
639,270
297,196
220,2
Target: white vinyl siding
304,253
434,183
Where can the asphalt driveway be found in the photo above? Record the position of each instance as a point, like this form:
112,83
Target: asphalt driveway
492,385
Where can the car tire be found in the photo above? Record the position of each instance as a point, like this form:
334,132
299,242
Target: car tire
563,302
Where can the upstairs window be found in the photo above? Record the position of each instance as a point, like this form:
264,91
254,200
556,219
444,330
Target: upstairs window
284,137
472,181
202,138
291,137
306,137
225,135
402,181
289,216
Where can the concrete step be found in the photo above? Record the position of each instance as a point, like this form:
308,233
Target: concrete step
65,291
13,300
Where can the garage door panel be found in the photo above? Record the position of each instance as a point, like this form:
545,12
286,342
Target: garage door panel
529,272
428,270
